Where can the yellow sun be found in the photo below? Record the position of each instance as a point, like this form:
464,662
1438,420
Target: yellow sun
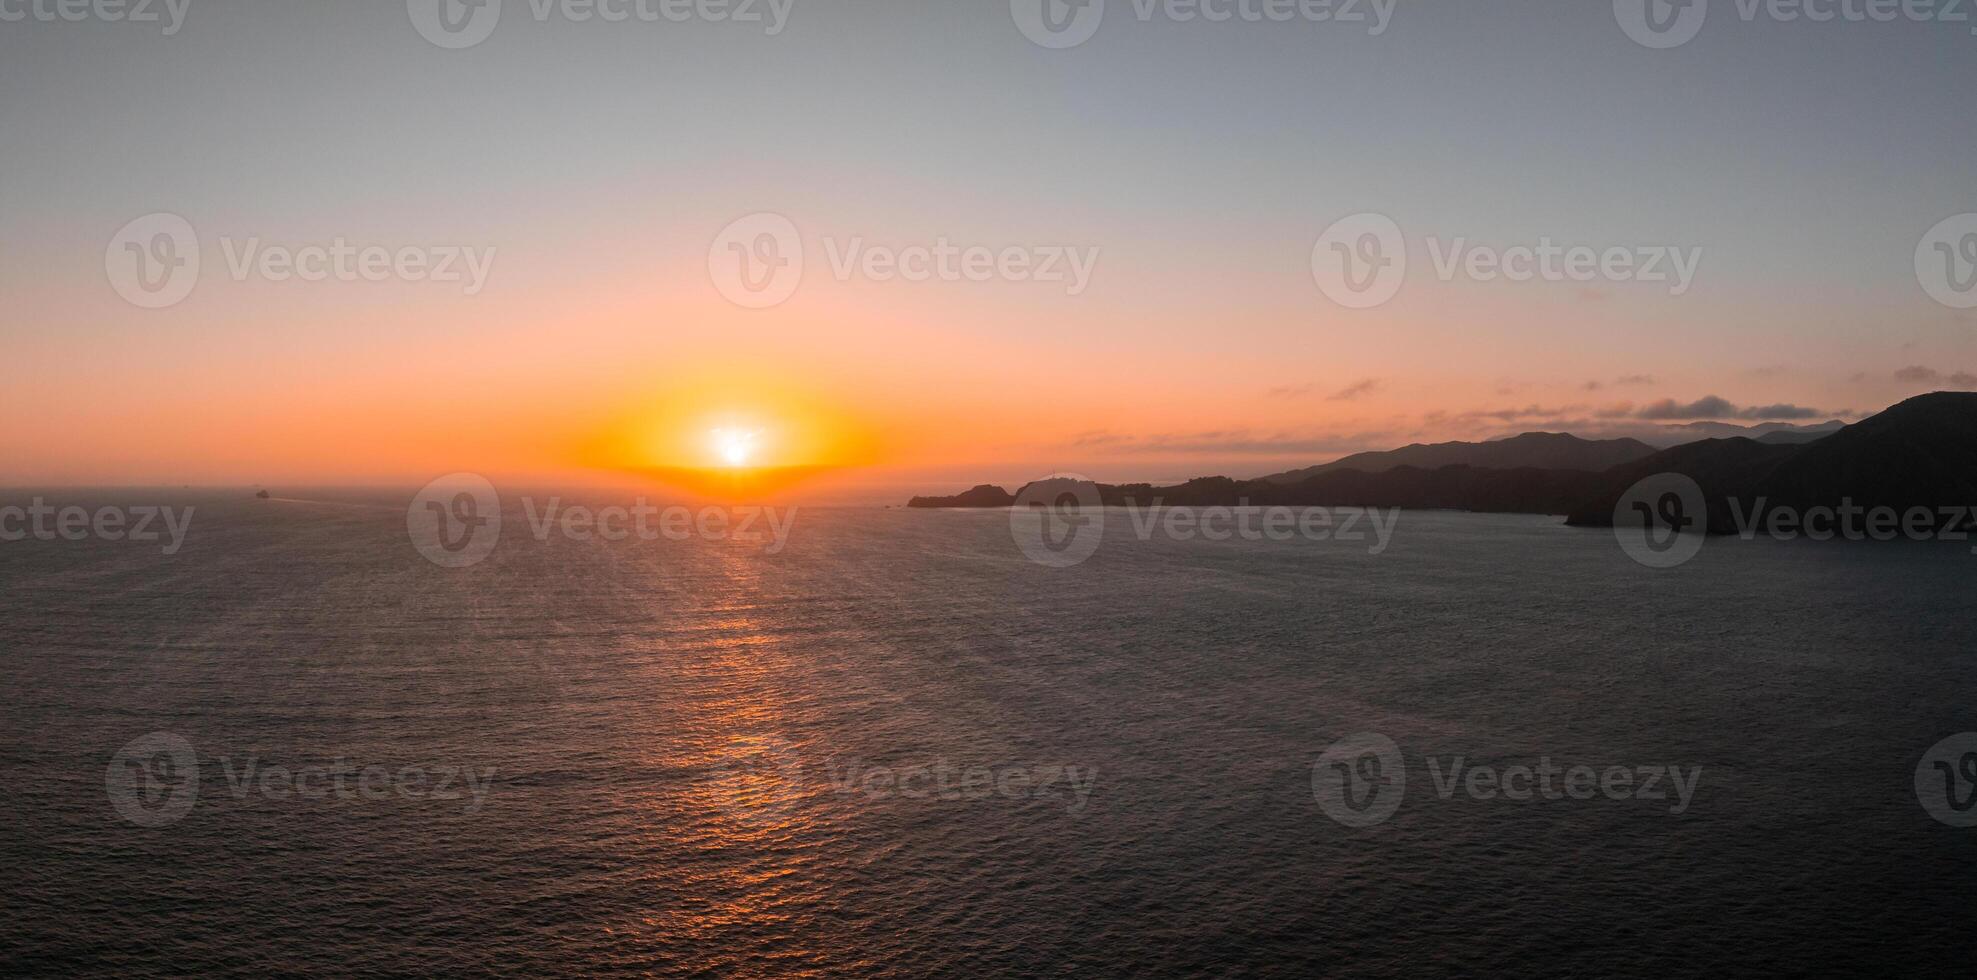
734,446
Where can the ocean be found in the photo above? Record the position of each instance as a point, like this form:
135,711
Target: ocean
891,744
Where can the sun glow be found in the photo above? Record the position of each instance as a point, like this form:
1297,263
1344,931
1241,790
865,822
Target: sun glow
734,446
731,438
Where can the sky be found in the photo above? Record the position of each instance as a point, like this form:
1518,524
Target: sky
1139,230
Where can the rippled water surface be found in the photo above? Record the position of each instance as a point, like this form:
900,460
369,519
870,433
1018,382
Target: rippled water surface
898,748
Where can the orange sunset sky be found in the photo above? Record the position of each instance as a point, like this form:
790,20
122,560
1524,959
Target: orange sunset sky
602,166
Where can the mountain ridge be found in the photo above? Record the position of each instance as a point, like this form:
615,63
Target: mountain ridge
1916,454
1530,450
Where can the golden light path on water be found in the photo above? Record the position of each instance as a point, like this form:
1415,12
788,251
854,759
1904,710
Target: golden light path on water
752,835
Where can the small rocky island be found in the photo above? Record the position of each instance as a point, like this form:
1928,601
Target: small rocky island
986,495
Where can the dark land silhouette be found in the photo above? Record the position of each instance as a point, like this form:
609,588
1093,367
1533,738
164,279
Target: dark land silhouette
1917,454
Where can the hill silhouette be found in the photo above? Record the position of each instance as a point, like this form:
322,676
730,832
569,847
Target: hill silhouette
985,495
1515,491
1670,436
1532,450
1917,454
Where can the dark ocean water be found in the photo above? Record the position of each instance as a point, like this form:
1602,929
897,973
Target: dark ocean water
689,754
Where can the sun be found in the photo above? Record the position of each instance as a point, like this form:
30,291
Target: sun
734,446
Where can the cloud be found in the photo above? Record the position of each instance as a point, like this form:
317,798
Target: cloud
1777,412
1623,381
1097,440
1713,407
1346,394
1354,390
1668,409
1520,414
1233,442
1924,375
